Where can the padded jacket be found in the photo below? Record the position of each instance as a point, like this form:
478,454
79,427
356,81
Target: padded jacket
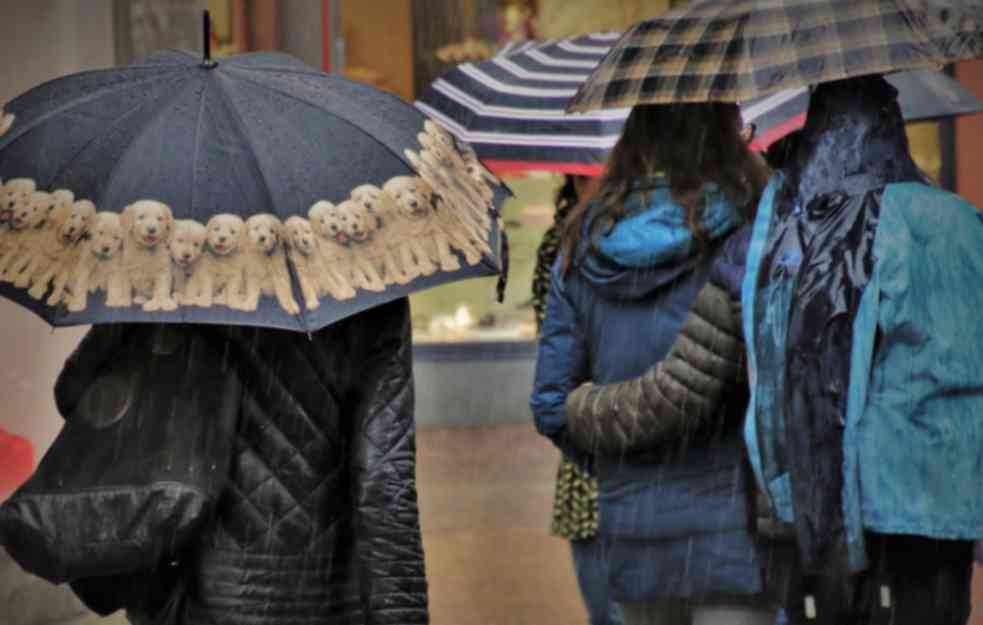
676,397
669,521
316,518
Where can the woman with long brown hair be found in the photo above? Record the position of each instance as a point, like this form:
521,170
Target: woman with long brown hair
675,510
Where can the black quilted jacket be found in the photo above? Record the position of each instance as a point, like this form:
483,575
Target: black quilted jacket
316,522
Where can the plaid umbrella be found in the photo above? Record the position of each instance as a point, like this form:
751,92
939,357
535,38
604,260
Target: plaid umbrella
510,109
922,95
743,49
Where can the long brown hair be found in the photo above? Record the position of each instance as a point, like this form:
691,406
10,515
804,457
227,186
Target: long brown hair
690,144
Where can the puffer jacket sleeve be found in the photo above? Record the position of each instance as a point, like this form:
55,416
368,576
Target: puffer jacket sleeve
683,392
388,549
561,364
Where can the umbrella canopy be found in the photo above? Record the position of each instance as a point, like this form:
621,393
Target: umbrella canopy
737,50
510,109
922,94
254,191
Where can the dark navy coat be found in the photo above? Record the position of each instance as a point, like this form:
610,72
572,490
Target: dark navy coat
675,522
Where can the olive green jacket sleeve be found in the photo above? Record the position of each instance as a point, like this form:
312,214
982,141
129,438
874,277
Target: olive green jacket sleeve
680,394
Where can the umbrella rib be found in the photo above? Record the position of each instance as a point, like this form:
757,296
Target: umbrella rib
321,75
194,161
336,114
150,124
23,128
237,118
71,160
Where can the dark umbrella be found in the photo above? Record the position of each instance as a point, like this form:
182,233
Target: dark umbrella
511,108
738,50
922,94
253,190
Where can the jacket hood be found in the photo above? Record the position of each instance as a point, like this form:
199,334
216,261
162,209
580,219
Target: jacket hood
853,140
651,247
89,360
103,345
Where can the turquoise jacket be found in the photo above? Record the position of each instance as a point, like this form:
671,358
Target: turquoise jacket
913,433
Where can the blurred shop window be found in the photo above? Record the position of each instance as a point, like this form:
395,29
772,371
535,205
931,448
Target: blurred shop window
377,41
567,18
143,27
468,311
926,148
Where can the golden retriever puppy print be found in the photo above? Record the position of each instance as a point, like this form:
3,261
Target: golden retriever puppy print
380,210
468,208
359,226
416,192
265,263
472,209
187,245
14,192
44,242
100,265
461,151
315,276
63,198
368,195
222,271
59,251
6,121
457,215
409,227
307,252
24,238
333,242
450,177
146,272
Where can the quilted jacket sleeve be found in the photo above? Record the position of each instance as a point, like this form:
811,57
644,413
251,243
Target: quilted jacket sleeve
388,548
679,394
682,392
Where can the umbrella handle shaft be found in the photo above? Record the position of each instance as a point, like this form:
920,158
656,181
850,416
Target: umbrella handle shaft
206,31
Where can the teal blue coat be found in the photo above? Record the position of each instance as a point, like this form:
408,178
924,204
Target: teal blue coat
913,433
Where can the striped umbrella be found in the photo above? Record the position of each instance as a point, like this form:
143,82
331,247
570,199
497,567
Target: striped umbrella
511,108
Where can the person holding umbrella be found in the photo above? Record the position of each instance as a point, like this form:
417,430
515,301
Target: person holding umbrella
863,426
675,538
237,459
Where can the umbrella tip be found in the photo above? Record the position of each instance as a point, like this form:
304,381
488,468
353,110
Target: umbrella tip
206,28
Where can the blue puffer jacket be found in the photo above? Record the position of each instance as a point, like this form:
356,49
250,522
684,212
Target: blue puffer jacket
670,522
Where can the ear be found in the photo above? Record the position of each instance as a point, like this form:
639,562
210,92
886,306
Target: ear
168,222
280,231
60,215
126,219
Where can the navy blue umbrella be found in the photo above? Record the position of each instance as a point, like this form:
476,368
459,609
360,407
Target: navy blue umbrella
254,190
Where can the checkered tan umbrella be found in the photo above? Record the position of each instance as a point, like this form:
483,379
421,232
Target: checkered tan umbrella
737,50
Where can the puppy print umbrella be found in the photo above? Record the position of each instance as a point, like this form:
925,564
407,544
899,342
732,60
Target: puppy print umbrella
253,190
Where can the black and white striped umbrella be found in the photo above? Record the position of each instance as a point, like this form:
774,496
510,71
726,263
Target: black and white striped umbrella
511,108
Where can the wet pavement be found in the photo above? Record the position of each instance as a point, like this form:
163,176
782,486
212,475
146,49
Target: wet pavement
485,497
